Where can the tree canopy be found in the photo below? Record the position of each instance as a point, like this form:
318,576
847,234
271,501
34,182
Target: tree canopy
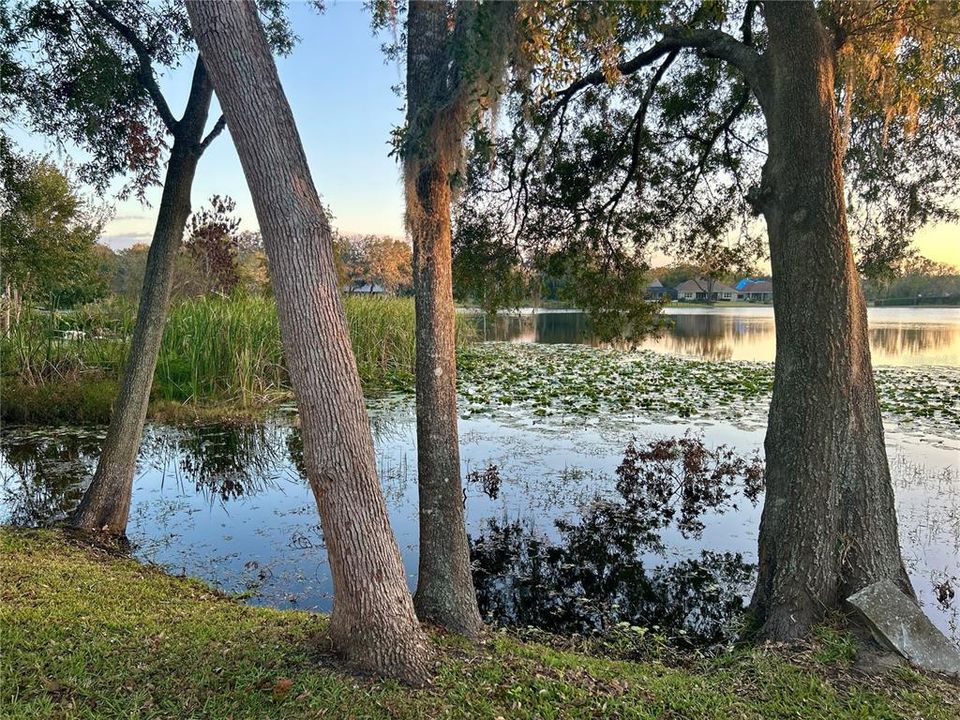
48,233
86,73
630,131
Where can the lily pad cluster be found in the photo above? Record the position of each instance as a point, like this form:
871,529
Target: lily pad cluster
582,381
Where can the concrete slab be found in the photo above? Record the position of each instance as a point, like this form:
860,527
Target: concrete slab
899,623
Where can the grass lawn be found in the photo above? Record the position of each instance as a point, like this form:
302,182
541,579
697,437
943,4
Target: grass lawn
88,634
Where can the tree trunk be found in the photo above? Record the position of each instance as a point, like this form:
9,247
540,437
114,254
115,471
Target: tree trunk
373,621
105,506
445,593
829,526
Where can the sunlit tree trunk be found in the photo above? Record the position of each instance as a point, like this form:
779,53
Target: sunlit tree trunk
829,526
105,506
445,593
373,621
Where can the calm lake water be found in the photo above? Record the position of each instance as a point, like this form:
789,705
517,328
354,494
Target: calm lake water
898,336
558,546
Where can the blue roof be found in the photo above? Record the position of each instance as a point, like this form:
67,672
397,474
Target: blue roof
743,283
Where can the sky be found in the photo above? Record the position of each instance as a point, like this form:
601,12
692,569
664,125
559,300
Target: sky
340,88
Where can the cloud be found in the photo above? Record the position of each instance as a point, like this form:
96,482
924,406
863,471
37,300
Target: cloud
124,240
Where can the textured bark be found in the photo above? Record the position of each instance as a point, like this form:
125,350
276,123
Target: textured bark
445,593
829,526
373,622
105,506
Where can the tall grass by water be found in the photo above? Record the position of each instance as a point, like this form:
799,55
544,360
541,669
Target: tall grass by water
215,349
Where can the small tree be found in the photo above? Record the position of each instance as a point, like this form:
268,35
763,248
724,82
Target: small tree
47,236
213,243
86,72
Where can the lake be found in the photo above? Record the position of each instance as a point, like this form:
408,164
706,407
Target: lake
898,336
559,544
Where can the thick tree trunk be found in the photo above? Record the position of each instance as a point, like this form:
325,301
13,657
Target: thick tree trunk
445,593
829,526
373,621
105,506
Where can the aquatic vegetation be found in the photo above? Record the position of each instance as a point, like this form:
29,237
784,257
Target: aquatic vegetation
65,366
576,381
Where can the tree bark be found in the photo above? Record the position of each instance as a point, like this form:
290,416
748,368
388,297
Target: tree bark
829,526
373,622
445,593
105,505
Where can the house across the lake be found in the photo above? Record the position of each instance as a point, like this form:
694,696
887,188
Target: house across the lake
705,290
361,287
755,290
656,290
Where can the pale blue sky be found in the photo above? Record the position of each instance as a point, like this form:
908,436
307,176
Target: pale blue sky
339,86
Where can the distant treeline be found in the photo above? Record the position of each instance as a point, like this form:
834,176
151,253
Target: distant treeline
917,281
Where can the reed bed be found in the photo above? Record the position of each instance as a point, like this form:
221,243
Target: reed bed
222,349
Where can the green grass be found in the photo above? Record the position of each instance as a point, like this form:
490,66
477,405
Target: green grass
86,634
216,351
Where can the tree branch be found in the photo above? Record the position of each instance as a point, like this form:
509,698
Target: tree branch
214,131
720,45
598,77
639,119
145,74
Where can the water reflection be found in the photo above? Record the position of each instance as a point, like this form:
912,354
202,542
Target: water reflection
596,574
898,336
563,519
45,473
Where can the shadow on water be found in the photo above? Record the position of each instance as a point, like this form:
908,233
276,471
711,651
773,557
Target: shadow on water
607,567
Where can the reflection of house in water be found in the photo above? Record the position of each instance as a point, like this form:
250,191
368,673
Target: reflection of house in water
706,290
735,334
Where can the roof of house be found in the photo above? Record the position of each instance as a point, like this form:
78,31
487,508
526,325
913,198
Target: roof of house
655,283
743,283
758,286
696,285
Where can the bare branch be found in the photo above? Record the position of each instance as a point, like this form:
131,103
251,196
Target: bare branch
145,73
214,131
713,43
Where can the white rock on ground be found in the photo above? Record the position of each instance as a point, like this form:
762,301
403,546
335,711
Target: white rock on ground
897,621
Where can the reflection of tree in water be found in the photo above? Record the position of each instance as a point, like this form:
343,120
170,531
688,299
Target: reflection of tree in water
224,461
594,576
707,335
713,337
45,473
897,341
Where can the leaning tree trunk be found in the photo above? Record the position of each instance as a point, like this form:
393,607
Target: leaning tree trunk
829,526
445,593
105,506
373,621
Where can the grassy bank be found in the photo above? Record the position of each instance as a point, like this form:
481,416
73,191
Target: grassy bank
90,635
219,356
